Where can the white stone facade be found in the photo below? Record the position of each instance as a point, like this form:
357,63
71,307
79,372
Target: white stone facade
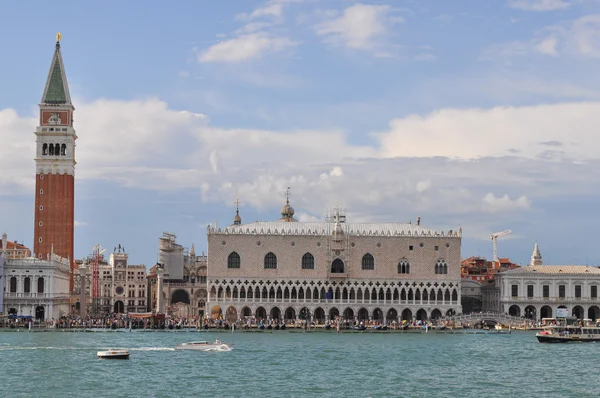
38,288
378,271
539,291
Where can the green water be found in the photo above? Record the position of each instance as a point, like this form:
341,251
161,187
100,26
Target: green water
284,364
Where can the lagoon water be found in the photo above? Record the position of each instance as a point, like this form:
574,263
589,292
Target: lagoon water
284,364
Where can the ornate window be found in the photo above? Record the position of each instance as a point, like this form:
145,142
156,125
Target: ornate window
233,261
27,285
13,284
270,261
441,267
63,150
308,261
368,262
404,266
45,149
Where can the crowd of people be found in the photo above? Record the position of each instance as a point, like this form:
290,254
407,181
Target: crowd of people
123,321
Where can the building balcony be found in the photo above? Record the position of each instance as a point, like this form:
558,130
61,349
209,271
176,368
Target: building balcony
331,302
553,300
36,296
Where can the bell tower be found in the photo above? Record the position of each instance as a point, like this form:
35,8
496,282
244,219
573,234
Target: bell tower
55,167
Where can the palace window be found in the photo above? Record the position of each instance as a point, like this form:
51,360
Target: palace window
577,290
561,291
594,291
233,261
368,262
529,290
441,267
270,261
337,266
546,291
308,261
13,284
27,285
514,290
404,267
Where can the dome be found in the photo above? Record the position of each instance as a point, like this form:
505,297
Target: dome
237,220
287,211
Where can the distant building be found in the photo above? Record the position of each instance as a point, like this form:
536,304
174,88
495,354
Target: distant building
32,286
548,291
321,270
184,286
122,286
17,250
479,269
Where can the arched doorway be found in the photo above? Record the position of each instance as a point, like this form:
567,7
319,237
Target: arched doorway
261,313
546,312
407,315
333,313
392,315
231,314
275,313
78,306
319,314
436,314
363,314
12,311
593,313
40,313
530,312
216,312
337,266
246,312
421,315
578,312
201,307
119,307
290,314
180,296
349,314
378,315
514,310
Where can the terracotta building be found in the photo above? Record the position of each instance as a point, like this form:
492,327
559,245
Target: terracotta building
481,270
55,168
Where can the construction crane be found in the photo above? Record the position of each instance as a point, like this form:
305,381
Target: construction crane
95,260
495,242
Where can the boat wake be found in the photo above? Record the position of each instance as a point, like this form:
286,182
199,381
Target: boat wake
219,349
152,349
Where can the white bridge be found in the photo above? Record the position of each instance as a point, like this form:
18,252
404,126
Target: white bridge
498,317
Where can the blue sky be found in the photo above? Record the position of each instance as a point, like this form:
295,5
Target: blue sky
479,114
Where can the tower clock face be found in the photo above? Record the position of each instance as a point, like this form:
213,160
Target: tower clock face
121,264
119,290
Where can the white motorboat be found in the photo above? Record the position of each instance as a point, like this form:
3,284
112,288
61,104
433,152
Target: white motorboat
218,345
114,354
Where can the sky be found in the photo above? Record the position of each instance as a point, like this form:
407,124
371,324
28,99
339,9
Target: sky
482,115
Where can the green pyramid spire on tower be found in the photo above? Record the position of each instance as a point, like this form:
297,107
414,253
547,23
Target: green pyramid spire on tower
57,90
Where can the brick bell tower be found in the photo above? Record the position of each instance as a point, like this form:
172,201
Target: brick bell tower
55,167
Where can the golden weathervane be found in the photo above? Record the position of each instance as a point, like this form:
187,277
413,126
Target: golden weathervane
58,36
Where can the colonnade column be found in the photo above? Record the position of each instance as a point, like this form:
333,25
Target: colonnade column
160,271
82,279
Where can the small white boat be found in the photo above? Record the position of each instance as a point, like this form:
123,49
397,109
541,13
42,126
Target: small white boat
113,354
218,345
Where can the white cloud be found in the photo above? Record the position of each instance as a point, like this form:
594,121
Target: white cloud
547,46
539,5
357,27
80,223
500,131
406,171
245,47
580,37
270,10
503,203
